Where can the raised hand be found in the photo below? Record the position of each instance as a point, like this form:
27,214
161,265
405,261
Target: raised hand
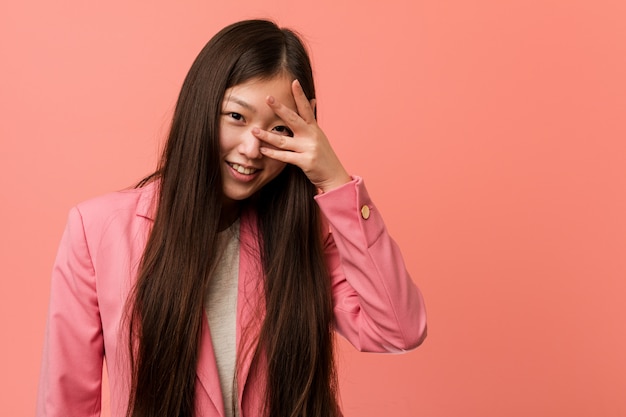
308,147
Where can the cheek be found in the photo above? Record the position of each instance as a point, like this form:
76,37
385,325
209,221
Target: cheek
227,140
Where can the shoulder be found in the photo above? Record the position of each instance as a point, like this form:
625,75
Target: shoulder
117,211
136,201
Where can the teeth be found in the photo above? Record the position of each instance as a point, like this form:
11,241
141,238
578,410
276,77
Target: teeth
242,170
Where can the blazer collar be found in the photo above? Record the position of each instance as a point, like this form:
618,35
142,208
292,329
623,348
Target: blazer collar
146,206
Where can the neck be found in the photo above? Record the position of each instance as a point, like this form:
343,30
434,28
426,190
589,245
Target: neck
230,212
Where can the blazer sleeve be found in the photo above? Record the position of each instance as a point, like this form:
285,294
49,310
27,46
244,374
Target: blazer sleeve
377,306
71,372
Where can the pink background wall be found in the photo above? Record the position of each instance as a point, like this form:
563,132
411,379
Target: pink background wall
492,134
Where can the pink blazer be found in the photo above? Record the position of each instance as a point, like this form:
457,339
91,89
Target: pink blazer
377,306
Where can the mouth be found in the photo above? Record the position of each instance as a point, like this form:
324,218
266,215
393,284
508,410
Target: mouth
242,170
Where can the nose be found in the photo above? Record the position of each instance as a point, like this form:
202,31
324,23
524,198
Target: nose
250,146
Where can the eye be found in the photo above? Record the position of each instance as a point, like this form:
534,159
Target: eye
283,130
235,115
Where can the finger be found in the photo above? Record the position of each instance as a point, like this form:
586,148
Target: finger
305,109
277,141
287,115
280,155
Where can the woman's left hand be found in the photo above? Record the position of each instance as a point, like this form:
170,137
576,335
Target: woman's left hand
308,148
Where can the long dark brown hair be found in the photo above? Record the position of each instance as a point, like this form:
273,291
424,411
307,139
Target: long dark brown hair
166,306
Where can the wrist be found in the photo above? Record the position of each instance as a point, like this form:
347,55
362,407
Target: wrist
336,182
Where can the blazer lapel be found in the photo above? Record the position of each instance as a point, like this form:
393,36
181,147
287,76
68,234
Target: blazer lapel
207,369
250,310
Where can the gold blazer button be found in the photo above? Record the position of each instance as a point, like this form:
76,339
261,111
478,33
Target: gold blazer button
365,212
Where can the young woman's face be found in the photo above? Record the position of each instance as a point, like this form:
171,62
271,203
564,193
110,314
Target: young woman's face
244,169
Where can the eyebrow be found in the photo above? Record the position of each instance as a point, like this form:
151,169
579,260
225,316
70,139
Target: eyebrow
241,102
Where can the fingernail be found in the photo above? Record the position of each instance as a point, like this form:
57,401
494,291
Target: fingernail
270,99
298,83
256,130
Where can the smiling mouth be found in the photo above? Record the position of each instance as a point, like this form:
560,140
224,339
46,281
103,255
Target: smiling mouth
242,170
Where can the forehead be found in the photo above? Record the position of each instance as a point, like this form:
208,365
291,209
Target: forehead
254,92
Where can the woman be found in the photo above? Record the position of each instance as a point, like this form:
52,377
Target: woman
214,288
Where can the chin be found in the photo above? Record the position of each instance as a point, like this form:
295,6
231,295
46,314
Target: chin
239,196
